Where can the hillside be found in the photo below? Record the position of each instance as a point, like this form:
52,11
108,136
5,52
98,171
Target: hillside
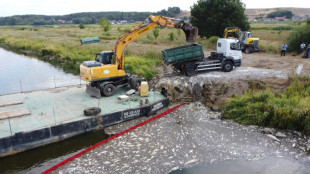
252,13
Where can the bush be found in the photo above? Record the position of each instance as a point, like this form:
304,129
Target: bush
141,66
289,110
82,26
171,36
299,35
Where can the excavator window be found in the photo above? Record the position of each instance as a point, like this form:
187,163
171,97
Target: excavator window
105,58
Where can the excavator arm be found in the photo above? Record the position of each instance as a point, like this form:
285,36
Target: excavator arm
142,28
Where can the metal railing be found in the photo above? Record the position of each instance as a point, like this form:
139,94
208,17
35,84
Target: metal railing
24,85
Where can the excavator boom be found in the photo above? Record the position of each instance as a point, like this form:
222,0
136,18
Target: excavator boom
153,21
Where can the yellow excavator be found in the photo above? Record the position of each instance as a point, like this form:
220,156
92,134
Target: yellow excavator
107,71
248,43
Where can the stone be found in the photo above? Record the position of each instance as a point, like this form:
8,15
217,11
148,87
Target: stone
280,135
268,130
215,108
273,137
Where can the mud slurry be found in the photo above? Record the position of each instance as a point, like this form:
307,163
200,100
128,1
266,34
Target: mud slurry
184,138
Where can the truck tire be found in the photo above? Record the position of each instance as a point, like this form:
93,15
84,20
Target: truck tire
227,66
108,90
190,70
248,50
136,82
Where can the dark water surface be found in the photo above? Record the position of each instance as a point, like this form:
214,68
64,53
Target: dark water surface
41,159
22,73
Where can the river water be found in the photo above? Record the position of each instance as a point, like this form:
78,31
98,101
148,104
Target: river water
19,73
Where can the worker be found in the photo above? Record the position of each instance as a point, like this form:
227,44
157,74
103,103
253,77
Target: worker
307,52
284,46
302,47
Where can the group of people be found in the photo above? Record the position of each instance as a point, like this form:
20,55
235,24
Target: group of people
302,48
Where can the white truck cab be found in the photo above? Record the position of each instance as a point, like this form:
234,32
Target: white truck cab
229,48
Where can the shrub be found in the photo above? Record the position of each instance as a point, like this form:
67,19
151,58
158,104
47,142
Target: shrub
156,32
299,35
82,26
171,36
141,66
289,110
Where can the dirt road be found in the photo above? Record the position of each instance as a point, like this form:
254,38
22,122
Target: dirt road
276,62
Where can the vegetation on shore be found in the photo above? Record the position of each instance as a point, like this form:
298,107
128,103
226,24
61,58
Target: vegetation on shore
60,44
288,110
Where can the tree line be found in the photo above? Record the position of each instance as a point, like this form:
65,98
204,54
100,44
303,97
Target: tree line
84,18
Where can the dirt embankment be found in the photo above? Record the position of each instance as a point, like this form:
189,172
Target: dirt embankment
215,87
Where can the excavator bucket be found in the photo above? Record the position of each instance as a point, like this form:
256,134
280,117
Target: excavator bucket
190,32
93,91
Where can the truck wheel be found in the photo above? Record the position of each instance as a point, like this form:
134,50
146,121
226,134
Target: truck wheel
108,90
190,71
136,83
227,66
248,50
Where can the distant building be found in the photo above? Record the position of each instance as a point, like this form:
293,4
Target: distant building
61,21
280,18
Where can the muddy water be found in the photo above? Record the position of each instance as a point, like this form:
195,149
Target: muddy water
40,159
21,73
269,166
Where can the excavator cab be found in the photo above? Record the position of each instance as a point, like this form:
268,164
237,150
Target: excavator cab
105,57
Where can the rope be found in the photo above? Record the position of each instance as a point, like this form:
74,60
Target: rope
109,139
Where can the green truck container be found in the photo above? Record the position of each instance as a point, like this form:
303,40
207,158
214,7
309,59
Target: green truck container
190,59
183,53
90,40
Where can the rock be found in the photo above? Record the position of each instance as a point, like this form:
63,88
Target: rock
280,135
268,130
216,116
273,137
215,108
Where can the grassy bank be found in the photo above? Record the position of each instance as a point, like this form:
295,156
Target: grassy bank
60,45
288,110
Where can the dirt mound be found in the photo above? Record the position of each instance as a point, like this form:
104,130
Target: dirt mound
214,88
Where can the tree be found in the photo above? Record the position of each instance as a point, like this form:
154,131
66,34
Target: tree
156,32
211,17
298,36
288,14
104,24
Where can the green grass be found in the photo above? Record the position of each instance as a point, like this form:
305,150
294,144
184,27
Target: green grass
288,110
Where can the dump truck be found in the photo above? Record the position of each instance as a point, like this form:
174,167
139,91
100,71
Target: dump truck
190,59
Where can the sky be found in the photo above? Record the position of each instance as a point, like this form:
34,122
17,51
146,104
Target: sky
61,7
